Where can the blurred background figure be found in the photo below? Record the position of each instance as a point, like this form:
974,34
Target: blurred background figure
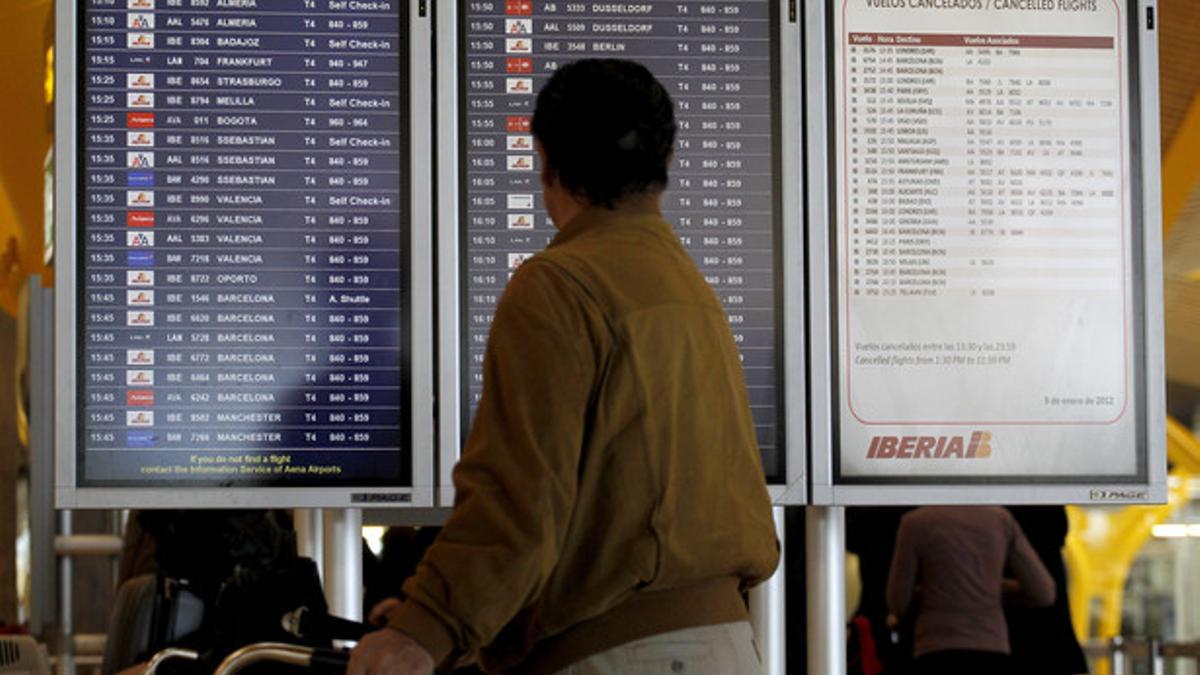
871,535
949,570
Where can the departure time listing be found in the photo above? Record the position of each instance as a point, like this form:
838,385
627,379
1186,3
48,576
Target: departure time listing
715,59
242,232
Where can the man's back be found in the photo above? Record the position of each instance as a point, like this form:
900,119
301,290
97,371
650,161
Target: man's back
610,493
952,560
612,460
673,419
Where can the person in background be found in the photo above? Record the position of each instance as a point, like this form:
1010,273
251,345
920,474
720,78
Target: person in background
611,506
948,568
871,534
862,658
1043,638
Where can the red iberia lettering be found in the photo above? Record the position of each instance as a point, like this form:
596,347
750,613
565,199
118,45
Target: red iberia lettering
978,446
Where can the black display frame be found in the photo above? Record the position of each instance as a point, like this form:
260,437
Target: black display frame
776,477
405,476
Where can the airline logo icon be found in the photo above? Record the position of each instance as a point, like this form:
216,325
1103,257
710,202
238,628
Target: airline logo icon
139,99
520,142
139,80
515,260
520,162
139,357
139,120
137,438
520,201
977,446
518,26
141,21
137,239
140,160
518,45
139,418
139,298
139,139
139,40
138,318
139,198
518,7
518,65
140,179
139,219
520,85
139,278
520,221
139,397
139,378
518,124
139,258
140,4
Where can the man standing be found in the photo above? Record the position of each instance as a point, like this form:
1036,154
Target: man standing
611,506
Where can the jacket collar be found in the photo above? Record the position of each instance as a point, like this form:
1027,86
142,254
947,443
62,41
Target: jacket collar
597,216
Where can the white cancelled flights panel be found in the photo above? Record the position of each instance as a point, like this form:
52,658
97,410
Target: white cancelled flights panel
993,251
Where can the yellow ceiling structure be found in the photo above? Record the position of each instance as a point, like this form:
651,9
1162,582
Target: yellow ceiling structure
25,137
1179,93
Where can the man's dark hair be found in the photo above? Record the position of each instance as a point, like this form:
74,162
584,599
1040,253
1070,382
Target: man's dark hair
607,128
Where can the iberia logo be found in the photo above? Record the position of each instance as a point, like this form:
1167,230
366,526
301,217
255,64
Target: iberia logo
977,446
518,7
516,124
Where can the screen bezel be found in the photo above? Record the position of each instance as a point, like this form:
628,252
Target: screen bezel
1147,483
788,480
414,485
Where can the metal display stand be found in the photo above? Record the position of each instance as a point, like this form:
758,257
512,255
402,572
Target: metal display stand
43,597
825,538
343,580
768,609
310,539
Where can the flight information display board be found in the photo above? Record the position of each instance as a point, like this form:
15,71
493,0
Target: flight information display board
993,270
242,243
718,62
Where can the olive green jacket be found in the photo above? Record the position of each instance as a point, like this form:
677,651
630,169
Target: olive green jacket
612,459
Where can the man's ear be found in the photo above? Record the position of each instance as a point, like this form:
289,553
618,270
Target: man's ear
549,176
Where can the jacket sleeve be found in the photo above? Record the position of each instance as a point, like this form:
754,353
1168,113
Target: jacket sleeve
1037,586
516,483
902,577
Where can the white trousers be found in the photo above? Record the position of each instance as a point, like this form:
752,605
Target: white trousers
724,649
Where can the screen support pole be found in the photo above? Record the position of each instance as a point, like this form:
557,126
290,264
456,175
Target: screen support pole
66,599
343,562
768,609
42,526
309,542
825,539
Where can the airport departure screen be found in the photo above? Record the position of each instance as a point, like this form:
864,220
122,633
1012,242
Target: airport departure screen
242,294
716,60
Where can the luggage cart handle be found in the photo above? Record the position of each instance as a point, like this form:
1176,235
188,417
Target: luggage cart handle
166,655
320,660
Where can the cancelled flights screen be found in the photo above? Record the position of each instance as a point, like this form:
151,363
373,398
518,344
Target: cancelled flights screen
241,243
716,60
